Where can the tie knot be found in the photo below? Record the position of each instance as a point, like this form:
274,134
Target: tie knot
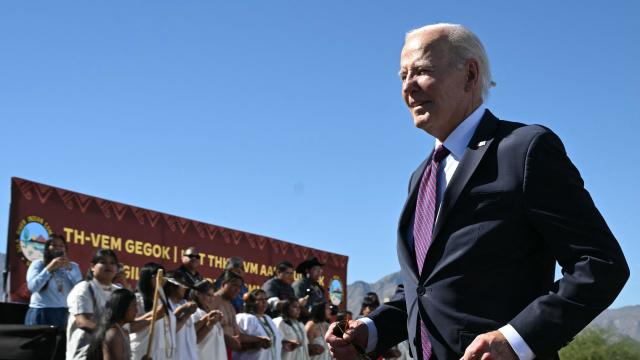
440,153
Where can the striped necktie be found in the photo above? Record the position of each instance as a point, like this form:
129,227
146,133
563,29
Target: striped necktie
425,217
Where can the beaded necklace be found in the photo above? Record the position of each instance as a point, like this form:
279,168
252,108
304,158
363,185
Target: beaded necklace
168,340
270,333
58,278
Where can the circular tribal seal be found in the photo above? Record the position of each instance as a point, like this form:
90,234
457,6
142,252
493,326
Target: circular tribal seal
32,233
336,290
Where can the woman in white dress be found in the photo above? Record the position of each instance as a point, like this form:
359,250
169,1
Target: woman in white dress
256,323
86,302
315,328
164,332
295,344
186,343
209,333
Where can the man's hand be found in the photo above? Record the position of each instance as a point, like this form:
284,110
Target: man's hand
342,348
315,349
264,342
233,342
289,345
490,346
185,309
159,313
213,317
391,353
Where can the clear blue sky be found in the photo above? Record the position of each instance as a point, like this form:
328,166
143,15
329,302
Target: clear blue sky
284,118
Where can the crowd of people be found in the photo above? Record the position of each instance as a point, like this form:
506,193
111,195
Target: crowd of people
195,318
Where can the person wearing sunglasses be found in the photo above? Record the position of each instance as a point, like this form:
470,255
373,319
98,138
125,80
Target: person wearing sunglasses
189,268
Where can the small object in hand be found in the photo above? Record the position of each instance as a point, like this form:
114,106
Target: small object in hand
339,330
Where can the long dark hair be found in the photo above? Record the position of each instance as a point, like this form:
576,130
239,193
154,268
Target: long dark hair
115,310
100,255
145,287
169,287
200,288
48,255
318,312
285,305
229,276
370,301
250,304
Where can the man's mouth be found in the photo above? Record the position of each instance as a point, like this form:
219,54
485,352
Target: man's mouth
420,107
421,104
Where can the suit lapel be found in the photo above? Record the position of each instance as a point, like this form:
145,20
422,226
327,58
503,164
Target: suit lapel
477,147
406,253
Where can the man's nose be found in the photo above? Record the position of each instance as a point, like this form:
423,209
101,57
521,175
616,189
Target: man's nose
408,86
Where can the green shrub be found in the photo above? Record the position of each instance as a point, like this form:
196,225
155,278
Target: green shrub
601,344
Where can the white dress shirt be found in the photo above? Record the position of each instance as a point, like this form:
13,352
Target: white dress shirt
457,143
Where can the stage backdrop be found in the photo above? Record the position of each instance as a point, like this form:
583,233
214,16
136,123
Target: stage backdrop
139,236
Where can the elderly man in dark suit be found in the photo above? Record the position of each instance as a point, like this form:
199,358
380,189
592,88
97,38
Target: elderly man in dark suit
489,213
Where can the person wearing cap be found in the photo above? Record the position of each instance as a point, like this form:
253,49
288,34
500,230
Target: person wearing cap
308,286
235,264
175,289
189,268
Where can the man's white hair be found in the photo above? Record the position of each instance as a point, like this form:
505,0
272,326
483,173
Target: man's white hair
464,45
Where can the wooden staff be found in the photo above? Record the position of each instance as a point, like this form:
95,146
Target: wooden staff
159,281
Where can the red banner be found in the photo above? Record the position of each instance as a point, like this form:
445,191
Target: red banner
139,236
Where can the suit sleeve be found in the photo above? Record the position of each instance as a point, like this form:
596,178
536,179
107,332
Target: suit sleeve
594,269
390,320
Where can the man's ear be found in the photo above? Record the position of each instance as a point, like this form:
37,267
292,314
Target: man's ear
473,74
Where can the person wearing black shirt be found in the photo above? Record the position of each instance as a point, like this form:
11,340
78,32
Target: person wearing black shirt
190,263
308,286
279,288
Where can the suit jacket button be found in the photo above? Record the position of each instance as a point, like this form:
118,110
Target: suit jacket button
421,290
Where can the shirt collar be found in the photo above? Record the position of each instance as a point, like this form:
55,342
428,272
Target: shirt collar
459,138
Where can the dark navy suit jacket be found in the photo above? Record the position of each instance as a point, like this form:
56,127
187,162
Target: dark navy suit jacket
515,205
